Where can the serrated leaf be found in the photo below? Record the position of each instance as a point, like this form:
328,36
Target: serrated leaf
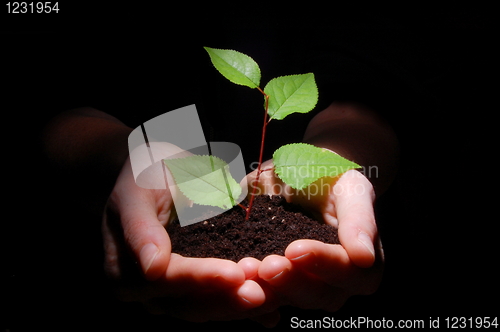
291,94
205,180
237,67
300,164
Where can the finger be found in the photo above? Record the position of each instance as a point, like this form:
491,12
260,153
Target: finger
250,295
211,304
274,269
296,287
143,232
353,198
268,182
201,301
112,246
147,238
267,313
332,264
329,262
250,266
184,273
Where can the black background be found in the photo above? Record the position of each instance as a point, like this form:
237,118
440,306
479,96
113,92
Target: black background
429,72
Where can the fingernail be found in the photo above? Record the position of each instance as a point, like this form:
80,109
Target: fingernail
246,301
367,242
251,295
277,275
147,256
298,258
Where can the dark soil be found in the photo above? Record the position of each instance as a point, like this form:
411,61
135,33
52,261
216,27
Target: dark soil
272,226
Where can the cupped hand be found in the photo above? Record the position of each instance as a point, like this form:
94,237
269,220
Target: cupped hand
139,261
316,275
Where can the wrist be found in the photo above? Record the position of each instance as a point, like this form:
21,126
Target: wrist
85,149
360,135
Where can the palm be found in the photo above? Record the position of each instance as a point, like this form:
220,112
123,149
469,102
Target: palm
327,274
191,288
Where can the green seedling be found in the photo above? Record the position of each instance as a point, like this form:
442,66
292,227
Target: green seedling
206,180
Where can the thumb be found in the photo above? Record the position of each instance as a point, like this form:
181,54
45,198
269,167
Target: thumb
144,234
353,197
148,240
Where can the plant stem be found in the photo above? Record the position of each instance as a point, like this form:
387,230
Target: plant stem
261,154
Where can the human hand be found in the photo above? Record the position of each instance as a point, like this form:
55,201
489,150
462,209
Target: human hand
138,259
316,275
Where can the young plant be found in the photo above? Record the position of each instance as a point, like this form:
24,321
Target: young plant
206,180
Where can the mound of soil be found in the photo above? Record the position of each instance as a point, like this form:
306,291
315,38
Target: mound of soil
272,226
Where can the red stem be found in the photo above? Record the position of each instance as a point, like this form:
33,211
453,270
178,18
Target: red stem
261,154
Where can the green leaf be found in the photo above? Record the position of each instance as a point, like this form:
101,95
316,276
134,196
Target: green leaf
205,180
237,67
291,94
300,164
